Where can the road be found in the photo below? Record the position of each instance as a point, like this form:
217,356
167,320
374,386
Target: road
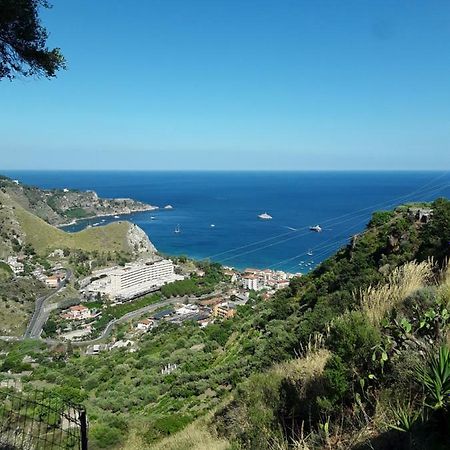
41,312
131,315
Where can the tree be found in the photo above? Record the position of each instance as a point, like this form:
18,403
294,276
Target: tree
23,47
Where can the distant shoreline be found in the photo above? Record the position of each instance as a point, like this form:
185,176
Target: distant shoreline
75,221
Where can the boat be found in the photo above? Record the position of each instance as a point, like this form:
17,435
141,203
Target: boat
116,217
316,228
310,253
168,207
177,229
152,217
212,225
265,216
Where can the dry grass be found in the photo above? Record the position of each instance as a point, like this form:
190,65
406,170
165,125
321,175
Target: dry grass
308,366
196,436
376,301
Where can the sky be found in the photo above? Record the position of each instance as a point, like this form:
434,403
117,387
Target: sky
236,85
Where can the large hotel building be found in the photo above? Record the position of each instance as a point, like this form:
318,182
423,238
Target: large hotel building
132,280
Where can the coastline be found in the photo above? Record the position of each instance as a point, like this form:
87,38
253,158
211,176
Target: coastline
131,211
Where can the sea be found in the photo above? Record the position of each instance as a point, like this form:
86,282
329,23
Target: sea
217,212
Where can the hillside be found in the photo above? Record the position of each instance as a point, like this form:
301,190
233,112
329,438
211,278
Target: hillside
19,227
340,359
60,206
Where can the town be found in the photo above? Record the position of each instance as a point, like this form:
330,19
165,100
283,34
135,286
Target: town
82,305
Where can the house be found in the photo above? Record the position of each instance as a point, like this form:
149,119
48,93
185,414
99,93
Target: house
187,309
78,312
224,310
53,281
144,325
16,266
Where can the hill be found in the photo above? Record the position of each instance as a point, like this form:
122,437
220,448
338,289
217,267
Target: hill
347,357
19,227
60,206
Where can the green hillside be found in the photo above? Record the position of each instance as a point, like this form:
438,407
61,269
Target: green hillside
15,221
351,356
44,237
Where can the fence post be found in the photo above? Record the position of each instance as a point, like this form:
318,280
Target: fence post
84,430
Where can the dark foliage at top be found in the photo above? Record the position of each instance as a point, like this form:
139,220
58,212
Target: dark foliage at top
23,41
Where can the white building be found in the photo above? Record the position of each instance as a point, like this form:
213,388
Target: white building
250,282
16,266
77,312
133,280
187,309
145,325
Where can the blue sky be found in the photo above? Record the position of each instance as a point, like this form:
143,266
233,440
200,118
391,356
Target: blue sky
236,84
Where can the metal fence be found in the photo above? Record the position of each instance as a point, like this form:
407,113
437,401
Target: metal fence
40,420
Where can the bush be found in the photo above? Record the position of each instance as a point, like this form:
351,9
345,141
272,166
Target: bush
353,338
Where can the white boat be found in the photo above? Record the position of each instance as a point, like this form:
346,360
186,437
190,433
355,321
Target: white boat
152,217
212,225
316,228
177,229
116,217
265,216
168,207
310,253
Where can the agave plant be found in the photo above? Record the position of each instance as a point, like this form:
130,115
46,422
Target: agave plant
435,377
405,417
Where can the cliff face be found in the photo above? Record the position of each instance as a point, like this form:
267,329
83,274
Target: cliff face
138,241
57,206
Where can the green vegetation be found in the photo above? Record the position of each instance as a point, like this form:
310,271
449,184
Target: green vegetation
17,297
5,271
196,285
43,237
76,213
352,355
114,312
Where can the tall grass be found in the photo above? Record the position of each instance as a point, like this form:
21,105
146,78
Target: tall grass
196,436
377,300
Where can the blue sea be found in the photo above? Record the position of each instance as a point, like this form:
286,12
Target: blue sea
340,202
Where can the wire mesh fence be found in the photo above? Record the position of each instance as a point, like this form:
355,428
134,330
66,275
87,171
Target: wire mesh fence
40,420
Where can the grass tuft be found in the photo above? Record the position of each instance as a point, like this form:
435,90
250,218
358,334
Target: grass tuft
377,301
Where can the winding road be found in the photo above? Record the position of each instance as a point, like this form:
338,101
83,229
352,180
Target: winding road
41,312
128,316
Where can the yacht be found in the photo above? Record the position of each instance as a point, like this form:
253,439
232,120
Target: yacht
310,253
265,216
316,228
116,217
177,229
212,225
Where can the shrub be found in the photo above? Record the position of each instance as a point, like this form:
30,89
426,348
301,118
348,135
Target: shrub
353,338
